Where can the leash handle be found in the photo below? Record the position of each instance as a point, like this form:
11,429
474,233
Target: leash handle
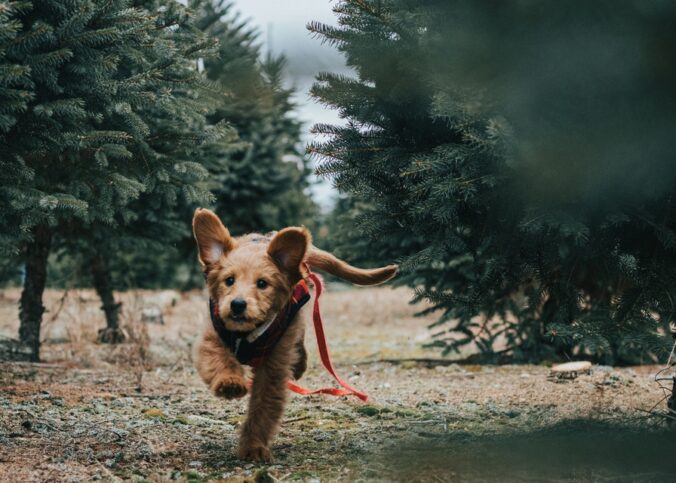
324,352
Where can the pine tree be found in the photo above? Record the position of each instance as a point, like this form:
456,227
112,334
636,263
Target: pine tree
176,183
488,150
16,90
100,73
265,186
257,176
155,249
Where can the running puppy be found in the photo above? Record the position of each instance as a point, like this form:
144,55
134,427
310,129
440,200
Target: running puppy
257,292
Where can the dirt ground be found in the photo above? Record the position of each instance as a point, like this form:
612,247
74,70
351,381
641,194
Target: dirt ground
138,411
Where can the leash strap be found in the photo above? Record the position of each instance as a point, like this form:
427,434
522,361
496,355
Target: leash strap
324,352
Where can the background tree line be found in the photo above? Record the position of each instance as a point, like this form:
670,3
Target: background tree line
518,160
117,119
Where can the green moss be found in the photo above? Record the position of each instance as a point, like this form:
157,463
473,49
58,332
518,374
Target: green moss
368,410
302,475
137,472
194,476
405,413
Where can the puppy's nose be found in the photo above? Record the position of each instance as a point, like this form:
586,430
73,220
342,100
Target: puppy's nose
237,306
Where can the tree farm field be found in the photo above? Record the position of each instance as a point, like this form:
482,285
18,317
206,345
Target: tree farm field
137,411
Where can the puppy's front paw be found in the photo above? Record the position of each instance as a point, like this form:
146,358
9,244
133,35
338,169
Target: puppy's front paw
255,453
229,386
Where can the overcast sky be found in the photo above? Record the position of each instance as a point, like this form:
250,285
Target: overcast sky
282,26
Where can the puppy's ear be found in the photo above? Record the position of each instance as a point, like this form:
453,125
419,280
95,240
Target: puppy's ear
289,248
213,239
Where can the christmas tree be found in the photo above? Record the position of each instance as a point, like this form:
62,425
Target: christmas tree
118,216
87,145
517,163
266,184
258,178
16,91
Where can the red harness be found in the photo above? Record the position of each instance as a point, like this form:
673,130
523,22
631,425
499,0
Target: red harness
252,352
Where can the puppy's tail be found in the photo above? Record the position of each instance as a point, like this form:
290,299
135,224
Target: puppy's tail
329,263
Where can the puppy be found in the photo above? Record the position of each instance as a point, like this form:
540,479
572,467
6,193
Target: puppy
258,298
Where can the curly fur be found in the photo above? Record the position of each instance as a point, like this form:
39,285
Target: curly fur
280,261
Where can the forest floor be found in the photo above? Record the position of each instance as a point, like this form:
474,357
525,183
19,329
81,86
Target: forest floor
138,411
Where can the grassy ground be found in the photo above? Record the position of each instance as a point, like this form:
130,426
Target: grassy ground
138,411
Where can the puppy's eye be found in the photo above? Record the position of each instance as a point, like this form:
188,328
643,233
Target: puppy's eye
261,284
230,281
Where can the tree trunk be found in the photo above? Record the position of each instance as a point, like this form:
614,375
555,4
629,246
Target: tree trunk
112,334
31,308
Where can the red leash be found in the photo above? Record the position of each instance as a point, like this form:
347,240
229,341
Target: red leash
324,353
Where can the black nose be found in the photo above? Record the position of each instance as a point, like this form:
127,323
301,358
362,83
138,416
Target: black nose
237,306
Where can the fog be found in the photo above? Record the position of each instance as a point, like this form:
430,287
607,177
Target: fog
282,28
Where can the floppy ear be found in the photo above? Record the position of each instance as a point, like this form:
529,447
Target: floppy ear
288,248
213,239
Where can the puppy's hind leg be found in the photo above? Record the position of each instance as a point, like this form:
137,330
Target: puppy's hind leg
218,367
300,365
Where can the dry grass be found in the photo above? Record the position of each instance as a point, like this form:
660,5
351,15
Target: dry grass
137,411
365,323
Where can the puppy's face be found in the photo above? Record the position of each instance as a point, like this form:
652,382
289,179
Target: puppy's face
248,286
250,278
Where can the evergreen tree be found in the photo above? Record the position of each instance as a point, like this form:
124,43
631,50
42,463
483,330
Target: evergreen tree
257,176
101,74
266,184
178,135
502,154
16,90
256,167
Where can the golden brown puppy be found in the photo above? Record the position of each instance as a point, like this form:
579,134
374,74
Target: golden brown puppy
257,292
